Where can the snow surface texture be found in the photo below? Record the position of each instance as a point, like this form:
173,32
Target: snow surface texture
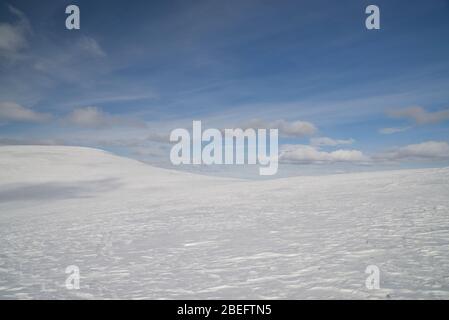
140,232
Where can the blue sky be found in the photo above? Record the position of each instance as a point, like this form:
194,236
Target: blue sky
138,69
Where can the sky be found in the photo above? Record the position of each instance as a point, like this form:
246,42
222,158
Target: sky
343,97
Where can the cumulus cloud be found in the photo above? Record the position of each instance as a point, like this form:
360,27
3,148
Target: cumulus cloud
420,115
13,112
307,154
286,128
429,150
393,130
13,36
310,154
93,117
325,141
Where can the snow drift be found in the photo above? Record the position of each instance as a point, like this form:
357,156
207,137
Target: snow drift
140,232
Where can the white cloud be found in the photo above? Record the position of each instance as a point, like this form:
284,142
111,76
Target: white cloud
393,130
420,115
310,154
159,137
13,35
90,46
11,39
289,129
296,128
325,141
93,117
305,154
429,150
58,63
29,141
13,112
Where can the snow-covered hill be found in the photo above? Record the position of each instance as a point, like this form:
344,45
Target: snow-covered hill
137,231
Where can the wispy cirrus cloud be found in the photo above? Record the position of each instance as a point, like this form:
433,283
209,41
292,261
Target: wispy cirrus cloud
58,63
13,36
90,45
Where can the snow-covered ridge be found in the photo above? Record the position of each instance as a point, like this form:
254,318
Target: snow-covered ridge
136,231
68,162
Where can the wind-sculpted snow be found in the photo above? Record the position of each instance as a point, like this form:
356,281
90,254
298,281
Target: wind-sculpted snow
141,232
